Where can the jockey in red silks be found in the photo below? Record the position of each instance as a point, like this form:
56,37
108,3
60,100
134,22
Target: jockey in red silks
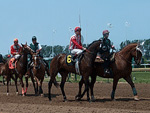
76,46
15,49
76,42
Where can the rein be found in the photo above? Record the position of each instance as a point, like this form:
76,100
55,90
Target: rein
124,58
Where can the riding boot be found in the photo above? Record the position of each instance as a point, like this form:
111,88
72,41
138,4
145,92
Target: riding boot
106,68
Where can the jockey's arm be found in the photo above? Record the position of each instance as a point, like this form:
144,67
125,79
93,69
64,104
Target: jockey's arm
40,48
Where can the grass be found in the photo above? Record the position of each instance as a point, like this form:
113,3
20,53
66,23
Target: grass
138,77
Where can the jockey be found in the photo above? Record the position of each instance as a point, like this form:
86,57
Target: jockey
36,47
76,42
105,50
76,46
15,50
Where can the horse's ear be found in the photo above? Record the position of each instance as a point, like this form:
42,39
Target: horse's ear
142,43
26,43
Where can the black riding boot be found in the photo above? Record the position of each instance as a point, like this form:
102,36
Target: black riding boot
106,67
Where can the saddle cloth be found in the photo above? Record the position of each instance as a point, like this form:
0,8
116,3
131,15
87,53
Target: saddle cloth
11,66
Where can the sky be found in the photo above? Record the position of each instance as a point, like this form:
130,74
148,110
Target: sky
51,21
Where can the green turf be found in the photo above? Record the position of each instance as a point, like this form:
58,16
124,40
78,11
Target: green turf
138,77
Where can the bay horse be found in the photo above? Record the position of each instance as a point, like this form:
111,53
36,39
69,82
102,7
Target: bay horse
38,71
58,65
19,71
121,68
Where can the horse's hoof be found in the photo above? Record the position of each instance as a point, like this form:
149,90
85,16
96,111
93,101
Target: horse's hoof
17,93
7,94
42,95
65,100
136,98
93,100
78,97
113,99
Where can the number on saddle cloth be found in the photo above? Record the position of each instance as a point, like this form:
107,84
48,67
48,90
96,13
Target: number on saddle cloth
69,59
11,66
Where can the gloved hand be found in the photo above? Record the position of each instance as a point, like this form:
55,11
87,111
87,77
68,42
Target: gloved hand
83,48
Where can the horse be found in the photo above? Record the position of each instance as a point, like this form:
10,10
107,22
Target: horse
3,72
121,68
58,65
19,70
38,71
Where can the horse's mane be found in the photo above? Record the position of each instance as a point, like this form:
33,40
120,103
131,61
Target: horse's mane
129,45
92,43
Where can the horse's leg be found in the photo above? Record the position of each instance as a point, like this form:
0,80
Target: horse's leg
40,88
129,80
93,80
78,97
26,78
8,79
3,80
32,79
52,80
16,77
86,88
63,80
115,82
22,85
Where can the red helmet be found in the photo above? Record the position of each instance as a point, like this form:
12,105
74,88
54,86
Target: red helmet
15,40
77,29
8,56
105,31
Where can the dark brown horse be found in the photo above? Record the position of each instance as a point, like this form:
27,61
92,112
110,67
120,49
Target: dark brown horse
58,65
19,71
121,68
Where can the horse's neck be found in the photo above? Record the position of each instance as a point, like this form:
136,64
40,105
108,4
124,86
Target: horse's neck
126,53
91,56
23,59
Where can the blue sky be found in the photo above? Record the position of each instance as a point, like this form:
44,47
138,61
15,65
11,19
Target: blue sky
24,18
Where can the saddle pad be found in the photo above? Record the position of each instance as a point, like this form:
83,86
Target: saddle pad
10,63
69,60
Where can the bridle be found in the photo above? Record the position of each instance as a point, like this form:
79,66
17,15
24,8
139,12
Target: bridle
35,58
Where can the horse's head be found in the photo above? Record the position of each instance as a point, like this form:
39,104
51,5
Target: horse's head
36,61
137,53
24,48
27,49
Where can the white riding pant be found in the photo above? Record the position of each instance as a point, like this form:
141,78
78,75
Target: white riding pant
17,56
76,51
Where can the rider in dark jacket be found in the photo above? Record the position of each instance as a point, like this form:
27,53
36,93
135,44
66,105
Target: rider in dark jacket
36,47
104,52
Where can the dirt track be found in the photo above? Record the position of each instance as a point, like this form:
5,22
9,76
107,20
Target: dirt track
124,100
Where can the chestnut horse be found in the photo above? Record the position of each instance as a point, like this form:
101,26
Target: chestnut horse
58,65
121,68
